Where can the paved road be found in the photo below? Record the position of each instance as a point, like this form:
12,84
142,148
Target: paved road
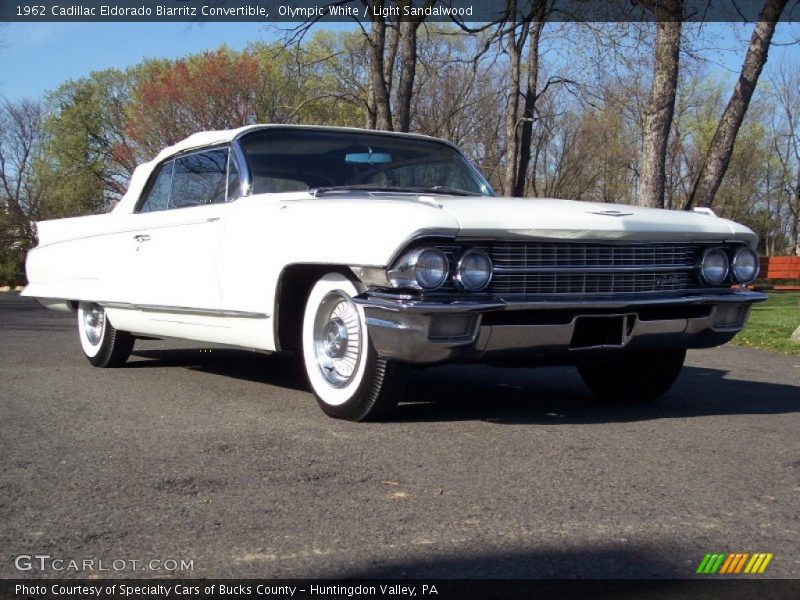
222,457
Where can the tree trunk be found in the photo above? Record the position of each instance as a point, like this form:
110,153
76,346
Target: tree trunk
719,154
528,111
514,46
660,108
512,110
408,68
381,99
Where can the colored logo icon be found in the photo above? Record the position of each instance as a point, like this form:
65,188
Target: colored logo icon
723,563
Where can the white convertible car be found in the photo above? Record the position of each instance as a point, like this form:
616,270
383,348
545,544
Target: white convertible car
365,252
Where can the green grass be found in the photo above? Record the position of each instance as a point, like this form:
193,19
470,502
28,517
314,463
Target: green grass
772,323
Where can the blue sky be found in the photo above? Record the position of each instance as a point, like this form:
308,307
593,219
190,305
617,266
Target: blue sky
37,57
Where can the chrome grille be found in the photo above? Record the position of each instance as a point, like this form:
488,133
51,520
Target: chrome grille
535,268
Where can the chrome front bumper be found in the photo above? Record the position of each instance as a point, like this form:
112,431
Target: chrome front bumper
564,330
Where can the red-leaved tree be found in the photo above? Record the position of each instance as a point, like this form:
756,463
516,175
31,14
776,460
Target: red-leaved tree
213,90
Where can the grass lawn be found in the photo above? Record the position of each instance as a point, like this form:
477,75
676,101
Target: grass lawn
772,323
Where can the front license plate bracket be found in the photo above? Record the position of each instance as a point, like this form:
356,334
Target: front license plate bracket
602,331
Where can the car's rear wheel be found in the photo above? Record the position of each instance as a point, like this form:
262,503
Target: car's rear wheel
103,345
639,377
349,380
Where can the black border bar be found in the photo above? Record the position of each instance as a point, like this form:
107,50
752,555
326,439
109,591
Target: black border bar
265,589
299,11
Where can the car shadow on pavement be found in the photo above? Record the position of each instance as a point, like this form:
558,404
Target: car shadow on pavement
610,561
545,395
276,369
557,395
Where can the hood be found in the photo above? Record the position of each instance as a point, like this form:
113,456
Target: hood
571,219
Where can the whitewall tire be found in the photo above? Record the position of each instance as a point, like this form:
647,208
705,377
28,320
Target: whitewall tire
348,378
103,345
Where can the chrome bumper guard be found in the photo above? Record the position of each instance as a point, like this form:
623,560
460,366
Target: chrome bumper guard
426,331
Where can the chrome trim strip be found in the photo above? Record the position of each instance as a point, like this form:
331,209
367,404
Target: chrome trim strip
589,269
430,306
417,236
426,306
351,130
210,312
245,177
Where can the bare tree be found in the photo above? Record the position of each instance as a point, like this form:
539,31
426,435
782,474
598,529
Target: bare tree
392,51
531,95
513,36
21,138
407,32
380,94
393,58
719,154
519,27
661,104
786,139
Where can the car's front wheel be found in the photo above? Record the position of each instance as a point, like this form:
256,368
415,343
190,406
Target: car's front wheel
639,377
349,380
103,345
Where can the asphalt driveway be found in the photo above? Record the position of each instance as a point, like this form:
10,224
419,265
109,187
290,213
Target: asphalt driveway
222,457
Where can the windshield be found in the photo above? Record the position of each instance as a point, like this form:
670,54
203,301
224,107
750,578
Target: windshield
290,160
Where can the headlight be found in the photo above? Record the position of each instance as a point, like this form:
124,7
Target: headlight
714,266
745,266
425,268
474,271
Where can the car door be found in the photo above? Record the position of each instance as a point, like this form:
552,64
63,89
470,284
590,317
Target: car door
174,266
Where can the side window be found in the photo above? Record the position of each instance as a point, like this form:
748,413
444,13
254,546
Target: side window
158,196
234,180
199,179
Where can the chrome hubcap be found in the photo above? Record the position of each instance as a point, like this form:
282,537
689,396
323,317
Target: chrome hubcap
93,322
337,339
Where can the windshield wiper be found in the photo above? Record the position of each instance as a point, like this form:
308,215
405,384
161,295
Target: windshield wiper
371,187
362,187
443,189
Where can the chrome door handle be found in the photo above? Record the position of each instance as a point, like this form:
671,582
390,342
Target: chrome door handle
142,237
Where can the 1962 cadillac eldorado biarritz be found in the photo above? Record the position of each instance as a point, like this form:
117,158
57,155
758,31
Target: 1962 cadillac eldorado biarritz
366,252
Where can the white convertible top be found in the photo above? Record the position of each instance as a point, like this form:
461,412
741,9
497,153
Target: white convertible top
221,136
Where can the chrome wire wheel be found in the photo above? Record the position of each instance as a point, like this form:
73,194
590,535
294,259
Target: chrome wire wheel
94,323
337,339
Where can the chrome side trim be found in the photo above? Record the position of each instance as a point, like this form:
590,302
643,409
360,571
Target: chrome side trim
210,312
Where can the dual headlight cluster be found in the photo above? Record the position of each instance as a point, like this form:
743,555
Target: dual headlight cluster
429,269
716,265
